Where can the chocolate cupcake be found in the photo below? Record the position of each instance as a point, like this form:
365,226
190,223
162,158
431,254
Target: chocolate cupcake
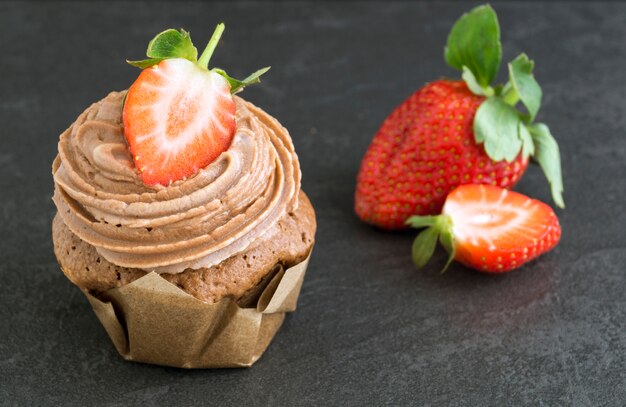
210,259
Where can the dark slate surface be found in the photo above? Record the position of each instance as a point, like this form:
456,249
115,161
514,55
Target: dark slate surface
370,330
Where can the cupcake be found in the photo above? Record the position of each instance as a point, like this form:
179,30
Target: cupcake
180,213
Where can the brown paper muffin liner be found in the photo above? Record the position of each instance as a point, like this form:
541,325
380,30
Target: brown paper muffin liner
153,321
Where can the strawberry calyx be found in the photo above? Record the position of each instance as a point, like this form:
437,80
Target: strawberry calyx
474,48
171,44
438,228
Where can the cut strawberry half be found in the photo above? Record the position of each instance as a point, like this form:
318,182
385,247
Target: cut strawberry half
488,228
179,116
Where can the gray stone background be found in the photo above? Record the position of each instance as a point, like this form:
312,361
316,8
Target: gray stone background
370,330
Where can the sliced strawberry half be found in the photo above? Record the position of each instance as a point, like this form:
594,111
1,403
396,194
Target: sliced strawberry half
488,228
179,116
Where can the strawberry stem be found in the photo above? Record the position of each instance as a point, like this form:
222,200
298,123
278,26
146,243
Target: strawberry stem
208,51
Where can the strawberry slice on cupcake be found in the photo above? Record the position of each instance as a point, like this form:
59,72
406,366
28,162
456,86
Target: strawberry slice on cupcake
179,115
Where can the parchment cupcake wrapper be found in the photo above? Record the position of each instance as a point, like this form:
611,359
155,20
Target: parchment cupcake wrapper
153,321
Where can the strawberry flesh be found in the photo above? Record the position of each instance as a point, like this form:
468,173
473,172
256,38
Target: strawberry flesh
178,118
496,230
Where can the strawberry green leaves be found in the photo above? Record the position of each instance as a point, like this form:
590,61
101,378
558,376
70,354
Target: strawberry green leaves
548,158
499,125
237,85
537,141
421,221
171,44
438,228
447,241
474,48
524,83
496,125
168,44
424,246
473,85
528,146
474,42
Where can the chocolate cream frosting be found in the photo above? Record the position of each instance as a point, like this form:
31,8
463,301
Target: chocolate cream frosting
194,223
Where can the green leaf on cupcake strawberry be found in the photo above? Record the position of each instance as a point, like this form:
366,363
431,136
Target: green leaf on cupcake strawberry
168,44
173,43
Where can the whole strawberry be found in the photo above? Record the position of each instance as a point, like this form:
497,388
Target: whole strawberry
450,133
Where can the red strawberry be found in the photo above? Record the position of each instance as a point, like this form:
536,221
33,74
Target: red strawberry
424,149
177,119
488,228
179,116
450,133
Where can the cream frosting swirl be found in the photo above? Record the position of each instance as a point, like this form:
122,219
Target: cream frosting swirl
193,223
